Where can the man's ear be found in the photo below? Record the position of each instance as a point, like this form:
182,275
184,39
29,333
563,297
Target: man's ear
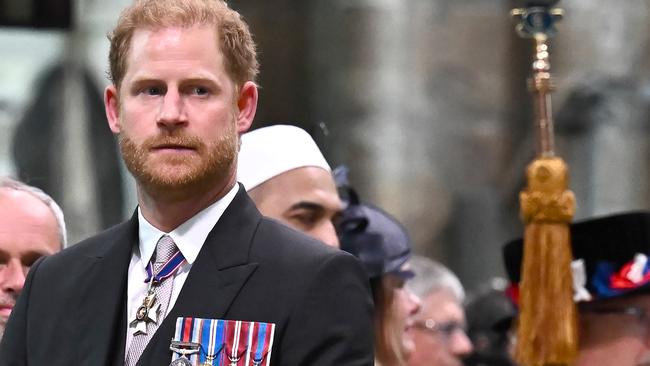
112,106
247,105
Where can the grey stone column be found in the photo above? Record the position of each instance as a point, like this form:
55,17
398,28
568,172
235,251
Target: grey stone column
604,125
367,85
602,67
415,92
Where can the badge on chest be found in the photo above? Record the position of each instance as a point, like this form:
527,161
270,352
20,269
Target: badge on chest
217,342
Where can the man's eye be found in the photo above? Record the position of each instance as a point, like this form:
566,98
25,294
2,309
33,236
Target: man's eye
152,90
199,90
28,262
306,219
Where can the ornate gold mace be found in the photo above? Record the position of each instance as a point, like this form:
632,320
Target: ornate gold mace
546,328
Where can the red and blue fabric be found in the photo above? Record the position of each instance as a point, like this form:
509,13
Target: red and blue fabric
226,342
188,330
212,341
607,282
262,335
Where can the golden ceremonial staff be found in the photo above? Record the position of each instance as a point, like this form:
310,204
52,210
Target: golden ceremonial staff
546,330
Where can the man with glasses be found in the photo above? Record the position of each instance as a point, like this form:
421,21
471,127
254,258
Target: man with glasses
611,276
439,328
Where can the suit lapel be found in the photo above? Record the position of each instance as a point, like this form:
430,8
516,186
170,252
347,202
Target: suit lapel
102,308
217,275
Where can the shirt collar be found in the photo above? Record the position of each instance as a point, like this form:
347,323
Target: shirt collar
189,236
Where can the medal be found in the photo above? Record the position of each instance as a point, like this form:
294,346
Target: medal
149,310
209,360
210,357
184,349
211,338
144,314
143,310
183,361
233,360
222,342
261,343
237,337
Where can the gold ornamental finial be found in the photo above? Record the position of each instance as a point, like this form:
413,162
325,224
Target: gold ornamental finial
536,20
547,329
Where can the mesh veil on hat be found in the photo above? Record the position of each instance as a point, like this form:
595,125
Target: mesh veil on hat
271,151
380,242
610,252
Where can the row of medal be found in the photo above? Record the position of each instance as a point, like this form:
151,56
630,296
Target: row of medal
217,342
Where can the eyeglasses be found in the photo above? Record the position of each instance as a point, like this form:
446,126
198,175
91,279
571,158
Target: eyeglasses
446,329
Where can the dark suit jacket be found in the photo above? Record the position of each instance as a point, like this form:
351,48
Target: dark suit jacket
72,308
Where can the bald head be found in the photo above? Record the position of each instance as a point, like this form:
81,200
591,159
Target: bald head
29,229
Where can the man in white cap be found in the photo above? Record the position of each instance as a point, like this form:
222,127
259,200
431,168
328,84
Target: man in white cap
289,180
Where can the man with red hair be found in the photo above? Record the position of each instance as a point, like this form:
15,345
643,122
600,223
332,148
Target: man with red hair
197,275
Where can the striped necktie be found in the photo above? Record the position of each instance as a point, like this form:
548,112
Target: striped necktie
166,262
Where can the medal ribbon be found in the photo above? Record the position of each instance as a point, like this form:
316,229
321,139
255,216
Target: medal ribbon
211,341
196,338
262,339
187,332
236,341
226,342
178,335
168,269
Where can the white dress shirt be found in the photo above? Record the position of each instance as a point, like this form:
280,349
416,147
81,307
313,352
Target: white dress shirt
189,238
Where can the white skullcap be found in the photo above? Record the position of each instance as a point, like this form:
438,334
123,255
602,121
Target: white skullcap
271,151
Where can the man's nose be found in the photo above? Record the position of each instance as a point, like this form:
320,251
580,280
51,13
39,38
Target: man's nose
460,344
172,110
414,301
12,277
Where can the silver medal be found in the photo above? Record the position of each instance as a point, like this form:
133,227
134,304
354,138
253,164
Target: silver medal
234,360
182,361
184,349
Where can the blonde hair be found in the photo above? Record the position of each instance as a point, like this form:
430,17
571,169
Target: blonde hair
388,335
234,37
